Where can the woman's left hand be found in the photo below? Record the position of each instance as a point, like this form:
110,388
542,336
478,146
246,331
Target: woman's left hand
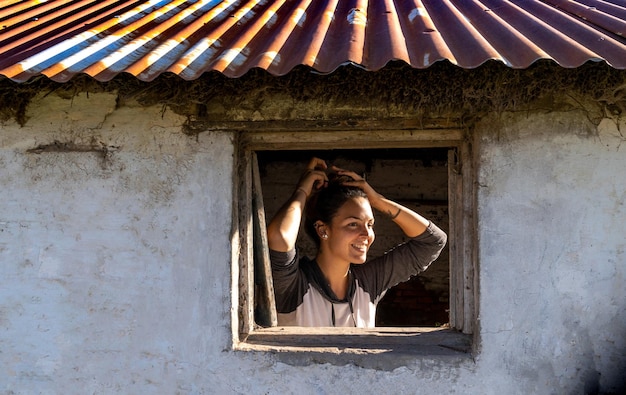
359,182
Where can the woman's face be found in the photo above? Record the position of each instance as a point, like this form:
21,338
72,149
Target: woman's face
351,231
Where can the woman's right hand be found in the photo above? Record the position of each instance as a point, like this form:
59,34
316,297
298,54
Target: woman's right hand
282,231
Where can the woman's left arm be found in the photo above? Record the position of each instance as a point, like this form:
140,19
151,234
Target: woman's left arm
411,223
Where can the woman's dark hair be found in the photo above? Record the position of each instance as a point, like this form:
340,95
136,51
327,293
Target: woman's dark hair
323,205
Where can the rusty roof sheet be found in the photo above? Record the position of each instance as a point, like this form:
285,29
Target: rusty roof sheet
102,38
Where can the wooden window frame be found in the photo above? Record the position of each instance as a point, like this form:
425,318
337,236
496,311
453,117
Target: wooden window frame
459,338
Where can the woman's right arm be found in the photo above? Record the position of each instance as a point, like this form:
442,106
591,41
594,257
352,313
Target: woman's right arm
282,231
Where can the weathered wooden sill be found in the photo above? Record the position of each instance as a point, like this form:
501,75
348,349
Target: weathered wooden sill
412,341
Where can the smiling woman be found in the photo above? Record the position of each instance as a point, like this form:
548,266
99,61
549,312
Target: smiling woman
340,286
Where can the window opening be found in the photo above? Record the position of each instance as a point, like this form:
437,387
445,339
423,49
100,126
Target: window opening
445,161
416,178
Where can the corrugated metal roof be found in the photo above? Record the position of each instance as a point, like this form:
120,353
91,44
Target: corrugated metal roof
147,38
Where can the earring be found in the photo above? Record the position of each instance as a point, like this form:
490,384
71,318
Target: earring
324,236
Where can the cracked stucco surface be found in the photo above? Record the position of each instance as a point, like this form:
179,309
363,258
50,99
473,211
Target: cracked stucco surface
115,274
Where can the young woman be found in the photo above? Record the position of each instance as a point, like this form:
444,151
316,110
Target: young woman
338,287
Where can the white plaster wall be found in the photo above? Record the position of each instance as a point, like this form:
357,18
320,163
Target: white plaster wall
552,265
115,271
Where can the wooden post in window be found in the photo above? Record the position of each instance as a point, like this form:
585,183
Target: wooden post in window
455,239
245,237
469,254
264,303
461,237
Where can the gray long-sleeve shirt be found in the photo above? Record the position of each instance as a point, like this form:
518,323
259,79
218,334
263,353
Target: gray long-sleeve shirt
303,297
